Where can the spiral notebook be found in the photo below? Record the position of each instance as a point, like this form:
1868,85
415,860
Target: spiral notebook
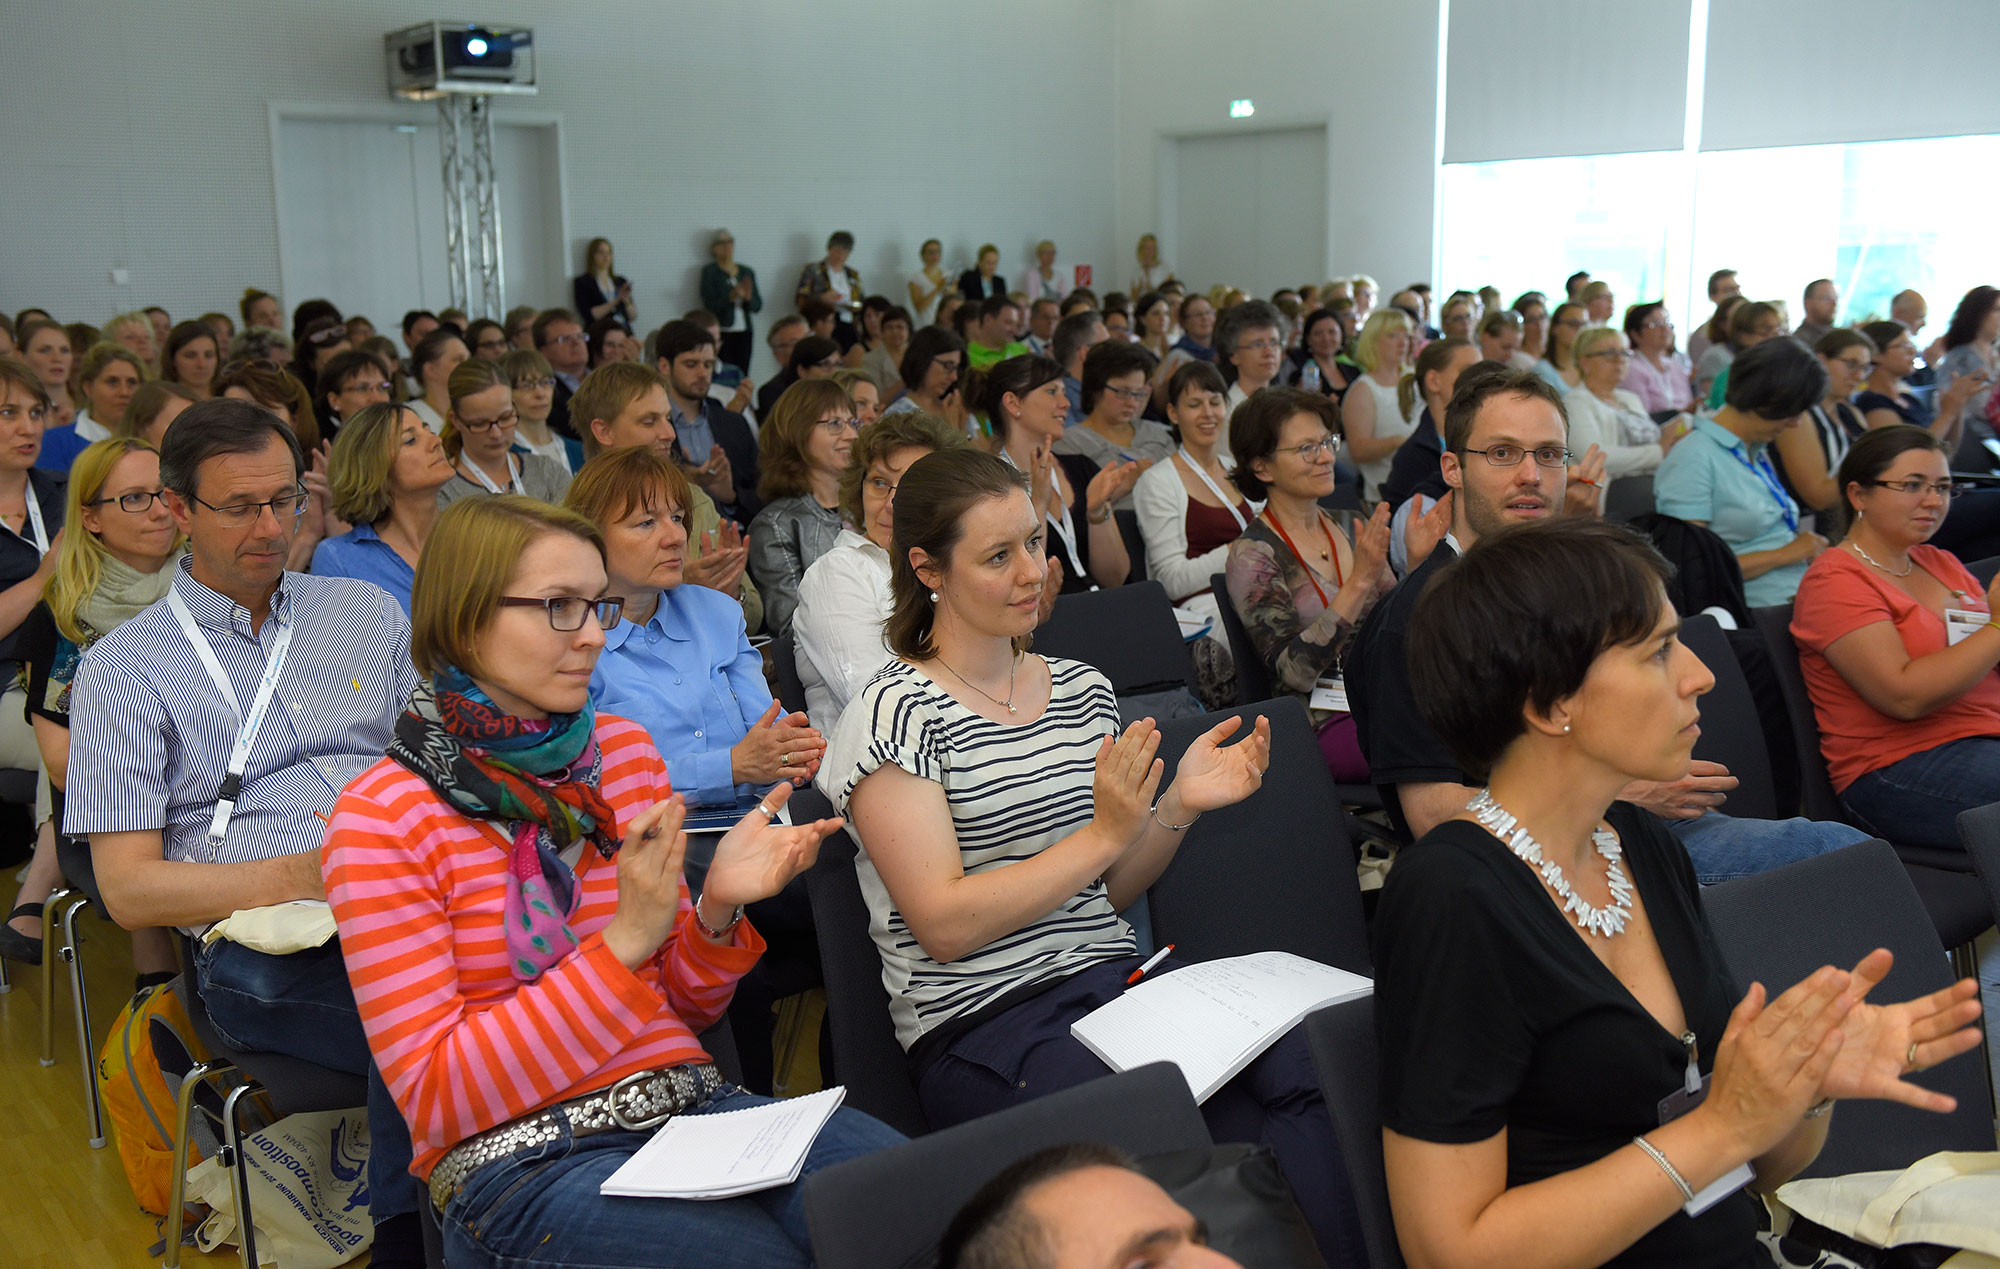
724,1155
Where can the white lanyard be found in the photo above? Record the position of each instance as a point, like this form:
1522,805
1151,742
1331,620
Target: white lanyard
1215,489
513,477
38,530
1065,528
246,732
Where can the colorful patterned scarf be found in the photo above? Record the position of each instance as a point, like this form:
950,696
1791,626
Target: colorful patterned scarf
539,779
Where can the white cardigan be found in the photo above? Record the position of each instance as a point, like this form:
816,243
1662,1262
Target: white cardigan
1593,422
1161,501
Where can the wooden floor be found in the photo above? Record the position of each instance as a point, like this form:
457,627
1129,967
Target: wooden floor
64,1204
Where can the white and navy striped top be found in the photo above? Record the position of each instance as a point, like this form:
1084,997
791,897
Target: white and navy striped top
1014,790
151,733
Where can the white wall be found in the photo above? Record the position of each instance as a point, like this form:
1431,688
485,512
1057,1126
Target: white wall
1368,71
139,137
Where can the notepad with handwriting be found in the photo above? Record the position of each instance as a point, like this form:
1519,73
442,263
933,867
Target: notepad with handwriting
724,1155
1214,1018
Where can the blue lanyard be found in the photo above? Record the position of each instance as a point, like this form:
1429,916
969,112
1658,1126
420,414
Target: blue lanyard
1769,475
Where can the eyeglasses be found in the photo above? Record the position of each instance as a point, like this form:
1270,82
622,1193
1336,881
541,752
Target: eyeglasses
573,337
1859,365
566,612
506,418
132,503
1511,455
1134,395
1655,323
327,336
1260,345
1620,353
291,503
529,385
880,487
952,366
1328,445
836,426
380,386
1917,488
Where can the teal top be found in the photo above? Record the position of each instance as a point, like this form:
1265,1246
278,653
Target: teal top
1714,476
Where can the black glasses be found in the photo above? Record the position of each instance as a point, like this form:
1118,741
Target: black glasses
529,385
1511,455
566,612
133,502
291,503
506,418
1917,488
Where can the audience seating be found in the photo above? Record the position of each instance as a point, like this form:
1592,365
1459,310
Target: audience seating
1979,829
785,669
59,915
1343,1048
889,1209
1135,544
1778,927
1275,872
1730,732
1985,570
1127,632
1629,497
17,801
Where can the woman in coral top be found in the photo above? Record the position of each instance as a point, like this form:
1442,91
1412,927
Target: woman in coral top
1907,701
531,970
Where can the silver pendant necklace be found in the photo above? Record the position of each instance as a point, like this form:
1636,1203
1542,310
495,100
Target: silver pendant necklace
1605,922
1012,670
1856,548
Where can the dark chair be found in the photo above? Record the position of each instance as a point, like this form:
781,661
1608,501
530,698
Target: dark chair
1730,732
17,803
1127,632
1779,926
1979,829
60,942
889,1209
1253,677
1628,498
1343,498
1343,1048
1985,570
785,668
1275,872
1135,544
865,1052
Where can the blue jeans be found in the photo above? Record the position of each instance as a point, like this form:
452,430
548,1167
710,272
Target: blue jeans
302,1006
541,1206
1724,848
1922,794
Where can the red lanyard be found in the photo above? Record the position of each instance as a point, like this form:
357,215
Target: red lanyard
1333,551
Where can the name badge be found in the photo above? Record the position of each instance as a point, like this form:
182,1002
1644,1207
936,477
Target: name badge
1960,622
1672,1107
1330,693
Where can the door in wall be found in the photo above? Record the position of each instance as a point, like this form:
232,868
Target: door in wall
361,216
1251,209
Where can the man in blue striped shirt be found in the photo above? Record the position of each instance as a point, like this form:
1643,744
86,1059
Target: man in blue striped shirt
314,672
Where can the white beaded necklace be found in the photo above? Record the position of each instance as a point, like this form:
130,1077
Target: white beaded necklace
1604,922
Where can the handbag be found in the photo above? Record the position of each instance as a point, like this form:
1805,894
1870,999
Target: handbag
308,1176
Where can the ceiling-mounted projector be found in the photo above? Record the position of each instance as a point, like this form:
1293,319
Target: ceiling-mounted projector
433,58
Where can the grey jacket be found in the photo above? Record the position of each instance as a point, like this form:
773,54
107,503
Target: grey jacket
785,539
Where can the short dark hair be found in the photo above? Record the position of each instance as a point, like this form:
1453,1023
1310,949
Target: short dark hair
1256,425
415,315
1717,278
991,1231
343,366
1841,338
1570,282
1195,374
814,310
221,426
431,347
1778,379
926,346
897,313
1635,319
1107,361
1073,335
1873,453
681,336
1816,282
1518,622
840,238
1480,383
994,305
786,322
594,336
549,317
1018,375
812,350
1248,316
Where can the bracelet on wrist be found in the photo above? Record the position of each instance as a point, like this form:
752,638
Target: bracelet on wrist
728,927
1820,1108
1673,1173
1172,828
1099,517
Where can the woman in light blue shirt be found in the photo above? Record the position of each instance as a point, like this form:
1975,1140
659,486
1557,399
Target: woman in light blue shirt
679,664
384,473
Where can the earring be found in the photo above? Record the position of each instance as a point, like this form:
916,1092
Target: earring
934,596
1565,729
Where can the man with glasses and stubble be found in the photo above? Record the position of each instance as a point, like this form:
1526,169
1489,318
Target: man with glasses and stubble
211,736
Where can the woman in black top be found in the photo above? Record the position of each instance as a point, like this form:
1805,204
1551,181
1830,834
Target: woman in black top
1524,1057
599,291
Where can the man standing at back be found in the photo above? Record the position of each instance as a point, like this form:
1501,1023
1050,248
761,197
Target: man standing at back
1721,285
212,734
1821,302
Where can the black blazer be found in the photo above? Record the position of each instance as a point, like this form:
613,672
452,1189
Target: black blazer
18,557
585,296
732,433
559,420
971,287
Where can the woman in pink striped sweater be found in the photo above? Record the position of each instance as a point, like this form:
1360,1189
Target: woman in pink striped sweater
531,970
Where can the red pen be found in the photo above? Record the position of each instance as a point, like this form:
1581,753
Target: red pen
1151,961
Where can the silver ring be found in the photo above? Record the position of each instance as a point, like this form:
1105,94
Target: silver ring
766,808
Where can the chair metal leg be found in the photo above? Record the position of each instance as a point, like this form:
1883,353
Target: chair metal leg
232,1129
72,951
177,1188
49,920
5,985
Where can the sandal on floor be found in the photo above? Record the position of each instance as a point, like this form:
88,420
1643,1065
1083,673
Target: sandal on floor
16,946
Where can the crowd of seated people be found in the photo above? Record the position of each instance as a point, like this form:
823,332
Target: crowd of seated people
479,617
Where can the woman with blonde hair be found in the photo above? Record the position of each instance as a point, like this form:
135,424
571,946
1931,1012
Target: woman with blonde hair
1599,302
191,358
983,281
114,568
861,389
153,408
1372,413
802,450
479,438
1603,414
600,291
384,474
108,377
135,331
1154,272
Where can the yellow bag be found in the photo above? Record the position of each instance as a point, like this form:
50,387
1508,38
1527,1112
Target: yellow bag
135,1094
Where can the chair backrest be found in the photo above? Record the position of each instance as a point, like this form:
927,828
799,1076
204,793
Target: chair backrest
1629,497
1778,927
1985,569
1979,829
866,1056
1730,732
1275,872
1127,632
1253,677
888,1209
1343,1048
1816,797
1135,544
785,668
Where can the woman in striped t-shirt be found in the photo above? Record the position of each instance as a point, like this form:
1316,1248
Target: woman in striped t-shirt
1004,822
530,969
